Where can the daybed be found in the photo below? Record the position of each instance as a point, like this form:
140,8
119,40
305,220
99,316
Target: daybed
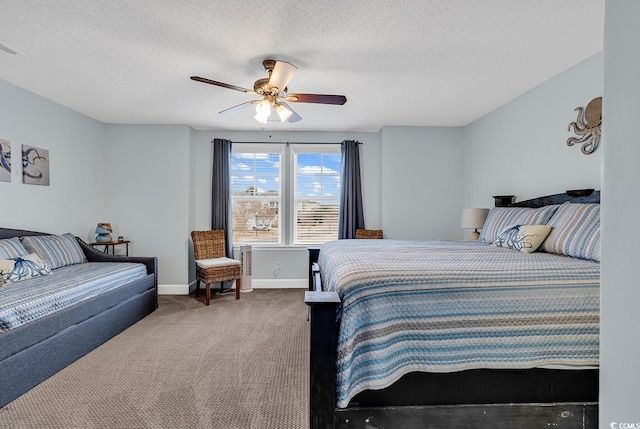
53,319
417,334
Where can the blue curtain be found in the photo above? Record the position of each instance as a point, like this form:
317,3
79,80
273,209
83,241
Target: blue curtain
221,191
351,210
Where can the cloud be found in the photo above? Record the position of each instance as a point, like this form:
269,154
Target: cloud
316,170
240,166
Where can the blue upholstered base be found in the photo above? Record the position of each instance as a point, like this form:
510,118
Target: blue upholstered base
31,353
25,369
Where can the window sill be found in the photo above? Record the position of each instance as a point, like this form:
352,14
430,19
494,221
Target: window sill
276,247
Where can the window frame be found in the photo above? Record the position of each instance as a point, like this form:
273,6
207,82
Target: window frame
266,148
287,177
296,149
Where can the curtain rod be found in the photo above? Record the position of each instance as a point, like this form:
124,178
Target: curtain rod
287,143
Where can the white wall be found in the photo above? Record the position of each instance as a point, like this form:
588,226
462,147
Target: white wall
620,287
73,202
147,197
520,148
422,182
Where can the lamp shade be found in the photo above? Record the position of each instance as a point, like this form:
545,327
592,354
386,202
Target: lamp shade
473,218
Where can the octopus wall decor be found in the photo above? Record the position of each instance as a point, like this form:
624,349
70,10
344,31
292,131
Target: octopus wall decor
587,126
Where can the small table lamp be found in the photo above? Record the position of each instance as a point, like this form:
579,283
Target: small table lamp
473,219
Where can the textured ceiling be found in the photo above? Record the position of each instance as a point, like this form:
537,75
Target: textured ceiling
406,62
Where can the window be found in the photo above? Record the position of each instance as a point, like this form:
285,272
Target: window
285,194
317,196
256,195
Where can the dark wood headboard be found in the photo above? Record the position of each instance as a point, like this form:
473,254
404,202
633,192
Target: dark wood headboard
578,196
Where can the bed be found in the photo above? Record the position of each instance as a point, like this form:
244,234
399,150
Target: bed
462,334
84,298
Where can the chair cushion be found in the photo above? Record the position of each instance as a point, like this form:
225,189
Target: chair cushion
217,262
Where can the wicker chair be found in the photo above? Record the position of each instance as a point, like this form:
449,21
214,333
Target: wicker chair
212,265
371,234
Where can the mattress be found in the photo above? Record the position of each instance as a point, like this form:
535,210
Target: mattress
444,306
28,300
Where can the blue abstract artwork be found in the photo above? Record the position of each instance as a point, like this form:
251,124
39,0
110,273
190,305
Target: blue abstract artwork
35,165
5,161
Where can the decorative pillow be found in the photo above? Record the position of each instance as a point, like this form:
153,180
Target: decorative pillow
11,247
576,231
525,238
55,250
501,218
21,268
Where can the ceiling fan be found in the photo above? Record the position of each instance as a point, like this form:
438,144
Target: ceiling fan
274,93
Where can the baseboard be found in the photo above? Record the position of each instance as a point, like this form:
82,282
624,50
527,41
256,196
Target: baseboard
280,283
255,284
173,289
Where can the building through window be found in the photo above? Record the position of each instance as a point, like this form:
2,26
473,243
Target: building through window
285,194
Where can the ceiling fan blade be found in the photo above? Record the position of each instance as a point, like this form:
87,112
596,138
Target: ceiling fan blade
281,75
294,116
238,107
316,98
222,84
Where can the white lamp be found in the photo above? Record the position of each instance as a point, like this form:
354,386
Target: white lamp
282,111
473,219
263,111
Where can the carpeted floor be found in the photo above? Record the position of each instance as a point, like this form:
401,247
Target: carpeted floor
235,364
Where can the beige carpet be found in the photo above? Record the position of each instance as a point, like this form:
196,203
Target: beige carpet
235,364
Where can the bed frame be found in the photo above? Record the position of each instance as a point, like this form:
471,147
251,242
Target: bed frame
465,399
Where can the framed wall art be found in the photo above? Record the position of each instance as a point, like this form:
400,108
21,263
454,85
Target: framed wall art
5,161
35,165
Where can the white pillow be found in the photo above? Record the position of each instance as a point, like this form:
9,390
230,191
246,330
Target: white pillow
22,268
525,238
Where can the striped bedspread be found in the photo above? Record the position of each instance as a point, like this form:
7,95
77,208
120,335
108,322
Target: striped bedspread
31,299
444,306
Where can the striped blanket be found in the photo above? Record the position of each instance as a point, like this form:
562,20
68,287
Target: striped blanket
31,299
444,306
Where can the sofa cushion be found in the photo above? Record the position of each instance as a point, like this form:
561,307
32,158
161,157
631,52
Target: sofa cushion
11,247
55,250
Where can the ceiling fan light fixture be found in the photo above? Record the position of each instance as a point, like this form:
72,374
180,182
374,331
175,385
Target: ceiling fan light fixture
282,112
263,111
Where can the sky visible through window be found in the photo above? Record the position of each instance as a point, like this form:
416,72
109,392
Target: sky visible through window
318,175
259,172
257,194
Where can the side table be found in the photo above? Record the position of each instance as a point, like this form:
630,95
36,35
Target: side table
113,245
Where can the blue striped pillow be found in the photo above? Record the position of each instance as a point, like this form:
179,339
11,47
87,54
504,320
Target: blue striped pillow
11,248
55,250
575,231
502,218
